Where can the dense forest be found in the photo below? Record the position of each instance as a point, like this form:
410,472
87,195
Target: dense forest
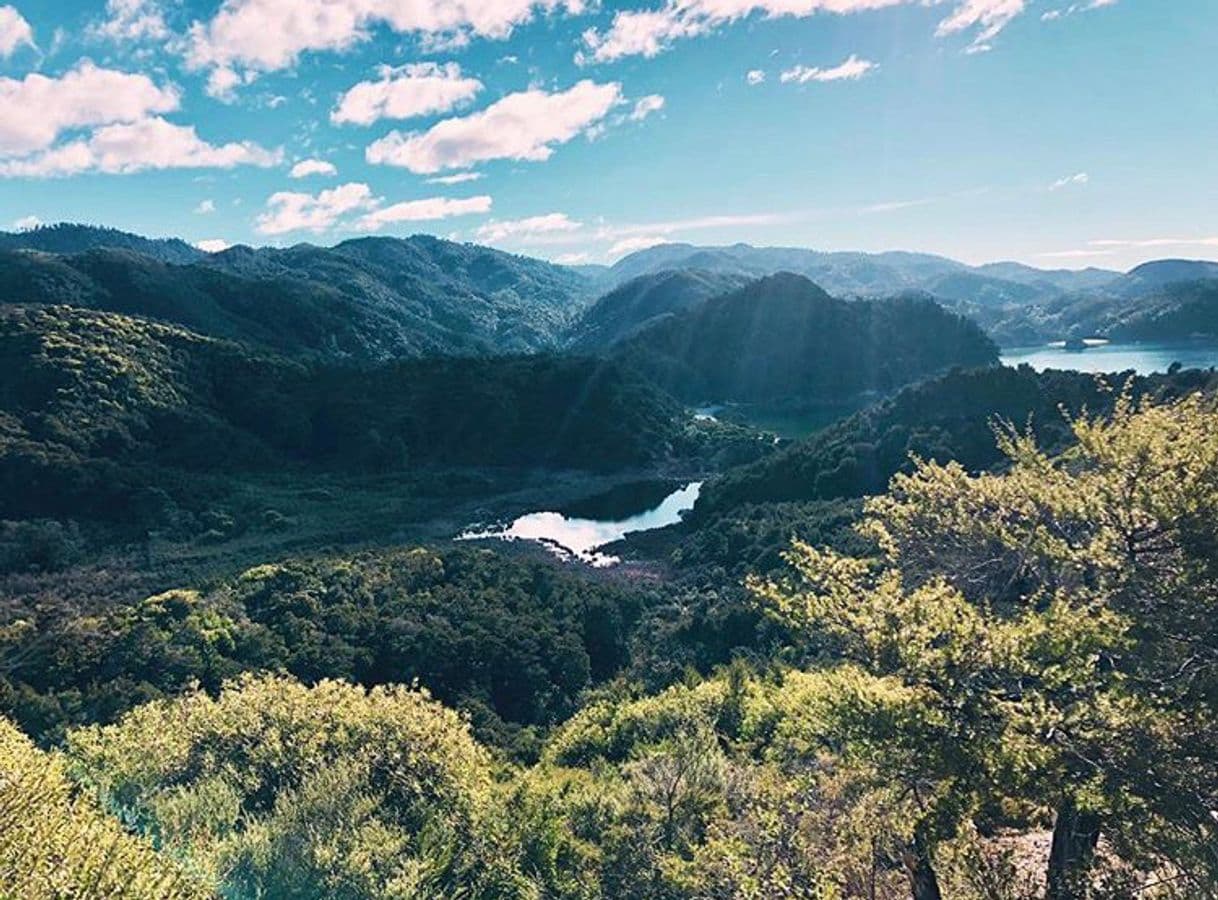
368,299
959,643
1024,648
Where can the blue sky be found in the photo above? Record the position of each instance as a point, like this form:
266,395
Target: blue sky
1056,132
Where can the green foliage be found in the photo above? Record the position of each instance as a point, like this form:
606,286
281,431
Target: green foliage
1044,636
69,237
513,643
56,844
943,420
275,789
644,300
371,299
98,409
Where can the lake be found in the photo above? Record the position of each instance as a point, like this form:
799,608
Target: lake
1143,358
574,536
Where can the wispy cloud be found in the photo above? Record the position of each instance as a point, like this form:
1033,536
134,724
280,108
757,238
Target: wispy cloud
850,70
1149,243
649,32
494,232
458,178
1054,14
1076,180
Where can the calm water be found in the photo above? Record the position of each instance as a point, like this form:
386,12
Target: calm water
1143,358
571,536
793,423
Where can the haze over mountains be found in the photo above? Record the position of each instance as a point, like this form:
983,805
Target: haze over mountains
1017,304
384,298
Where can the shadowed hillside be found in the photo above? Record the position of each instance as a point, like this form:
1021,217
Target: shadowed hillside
783,338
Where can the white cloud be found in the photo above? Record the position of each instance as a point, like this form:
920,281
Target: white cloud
222,84
1147,243
267,35
1073,8
295,211
134,147
213,245
645,106
987,17
634,244
572,259
206,207
427,210
521,126
494,232
459,178
559,230
1080,178
132,20
35,110
27,223
850,70
307,167
1075,254
755,77
647,33
650,32
15,31
416,89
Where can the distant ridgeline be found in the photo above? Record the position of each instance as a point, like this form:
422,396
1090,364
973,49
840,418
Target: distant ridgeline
782,338
1016,304
364,300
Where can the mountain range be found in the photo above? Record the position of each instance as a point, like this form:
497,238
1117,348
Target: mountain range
376,299
368,299
1015,303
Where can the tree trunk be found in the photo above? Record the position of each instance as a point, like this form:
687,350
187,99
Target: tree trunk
918,863
1075,836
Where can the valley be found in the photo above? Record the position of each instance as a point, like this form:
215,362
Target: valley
561,504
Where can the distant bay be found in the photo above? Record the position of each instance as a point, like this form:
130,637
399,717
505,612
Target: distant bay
1145,357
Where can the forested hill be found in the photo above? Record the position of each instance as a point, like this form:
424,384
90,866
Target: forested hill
364,300
71,238
782,338
946,419
92,403
644,300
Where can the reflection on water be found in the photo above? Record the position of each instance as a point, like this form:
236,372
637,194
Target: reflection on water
580,538
1143,358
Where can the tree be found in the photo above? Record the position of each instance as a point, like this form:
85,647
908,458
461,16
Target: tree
56,843
1046,634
